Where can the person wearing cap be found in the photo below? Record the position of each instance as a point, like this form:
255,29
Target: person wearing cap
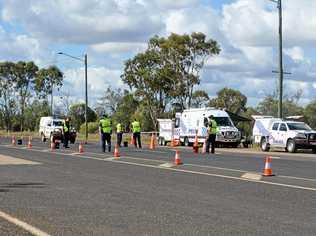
66,132
119,134
105,125
212,130
136,133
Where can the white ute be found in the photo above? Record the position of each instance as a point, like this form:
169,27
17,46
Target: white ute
48,125
271,132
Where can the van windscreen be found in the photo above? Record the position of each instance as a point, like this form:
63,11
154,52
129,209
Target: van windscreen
57,123
223,121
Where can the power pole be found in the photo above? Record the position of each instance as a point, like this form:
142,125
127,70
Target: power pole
86,95
281,71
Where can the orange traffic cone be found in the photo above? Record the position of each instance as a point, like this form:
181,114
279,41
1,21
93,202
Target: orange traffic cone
177,159
13,140
196,145
116,151
132,140
152,142
267,168
29,144
80,147
172,144
204,146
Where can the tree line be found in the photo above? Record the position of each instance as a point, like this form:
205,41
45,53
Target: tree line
161,81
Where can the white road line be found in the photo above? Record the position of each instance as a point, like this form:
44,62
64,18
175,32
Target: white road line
29,228
218,168
188,171
217,175
298,178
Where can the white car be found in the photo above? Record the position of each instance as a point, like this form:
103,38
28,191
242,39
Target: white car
49,125
291,135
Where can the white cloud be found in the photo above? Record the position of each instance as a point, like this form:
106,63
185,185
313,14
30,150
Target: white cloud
296,53
118,47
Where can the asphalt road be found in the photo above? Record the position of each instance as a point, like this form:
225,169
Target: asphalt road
64,193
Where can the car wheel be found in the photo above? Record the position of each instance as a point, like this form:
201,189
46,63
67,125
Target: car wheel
161,141
186,142
43,138
314,150
264,145
290,146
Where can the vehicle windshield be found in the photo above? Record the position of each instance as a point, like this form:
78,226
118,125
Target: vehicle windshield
223,121
58,123
298,126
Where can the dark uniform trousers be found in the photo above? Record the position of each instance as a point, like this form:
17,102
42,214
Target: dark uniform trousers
136,137
211,141
106,139
66,139
119,138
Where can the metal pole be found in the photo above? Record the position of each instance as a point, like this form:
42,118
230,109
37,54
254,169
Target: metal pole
51,101
86,95
280,107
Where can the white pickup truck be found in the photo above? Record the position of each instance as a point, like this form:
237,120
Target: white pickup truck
271,132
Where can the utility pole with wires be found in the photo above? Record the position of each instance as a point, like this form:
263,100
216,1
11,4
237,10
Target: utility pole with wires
281,71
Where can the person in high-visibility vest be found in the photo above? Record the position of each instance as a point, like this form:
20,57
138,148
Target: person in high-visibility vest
105,125
136,129
212,130
66,132
119,134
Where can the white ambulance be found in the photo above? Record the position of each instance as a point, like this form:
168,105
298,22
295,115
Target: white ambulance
192,122
270,132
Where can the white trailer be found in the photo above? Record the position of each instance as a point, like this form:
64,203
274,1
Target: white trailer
192,122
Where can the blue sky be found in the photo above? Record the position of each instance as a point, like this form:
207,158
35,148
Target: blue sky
114,30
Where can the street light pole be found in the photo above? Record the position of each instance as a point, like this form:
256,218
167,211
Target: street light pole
85,60
281,71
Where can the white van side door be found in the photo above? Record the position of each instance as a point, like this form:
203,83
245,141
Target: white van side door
274,134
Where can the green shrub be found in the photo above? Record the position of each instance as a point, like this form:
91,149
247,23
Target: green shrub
93,128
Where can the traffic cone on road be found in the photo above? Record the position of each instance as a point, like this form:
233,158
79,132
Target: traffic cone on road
267,168
13,140
196,145
204,147
132,140
116,151
152,142
81,148
177,159
29,144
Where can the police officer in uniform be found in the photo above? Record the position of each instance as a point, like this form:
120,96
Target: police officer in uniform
66,132
106,131
212,130
136,133
119,134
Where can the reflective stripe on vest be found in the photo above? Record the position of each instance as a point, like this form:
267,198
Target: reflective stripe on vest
106,125
136,127
212,127
118,128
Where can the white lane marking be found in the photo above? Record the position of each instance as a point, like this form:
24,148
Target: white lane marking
298,178
215,167
275,157
29,228
192,172
217,175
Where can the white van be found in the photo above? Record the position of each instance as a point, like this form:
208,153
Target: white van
291,135
48,125
194,121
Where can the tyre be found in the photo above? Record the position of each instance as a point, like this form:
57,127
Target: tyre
264,145
186,142
43,138
290,146
314,150
161,141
